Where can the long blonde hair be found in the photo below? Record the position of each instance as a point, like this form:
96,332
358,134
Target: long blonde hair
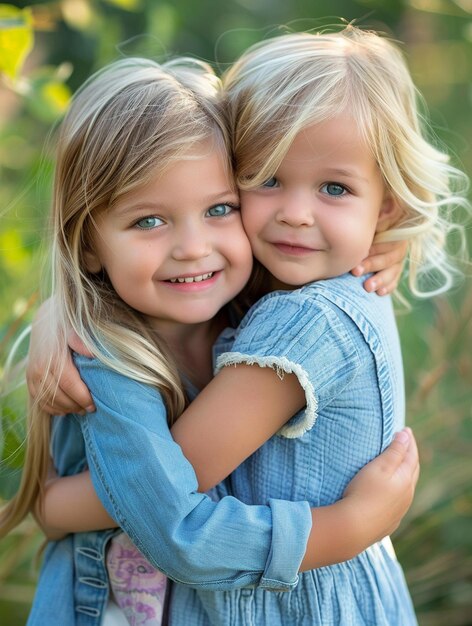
284,84
130,119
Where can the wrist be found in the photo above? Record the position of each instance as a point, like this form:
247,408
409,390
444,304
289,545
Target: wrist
336,535
357,525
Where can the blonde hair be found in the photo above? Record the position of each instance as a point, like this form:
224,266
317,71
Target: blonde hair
284,84
130,119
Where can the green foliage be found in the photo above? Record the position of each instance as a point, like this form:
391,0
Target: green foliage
16,38
72,39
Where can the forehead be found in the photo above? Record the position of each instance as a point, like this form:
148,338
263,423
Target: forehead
336,139
196,180
204,165
207,155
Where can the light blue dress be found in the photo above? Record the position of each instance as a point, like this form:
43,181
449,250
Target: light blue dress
343,345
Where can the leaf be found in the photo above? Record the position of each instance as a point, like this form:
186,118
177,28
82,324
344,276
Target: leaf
49,96
16,38
57,95
13,252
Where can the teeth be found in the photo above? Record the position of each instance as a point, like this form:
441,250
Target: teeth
192,279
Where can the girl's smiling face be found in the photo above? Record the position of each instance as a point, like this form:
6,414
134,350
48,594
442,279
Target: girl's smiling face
317,217
175,249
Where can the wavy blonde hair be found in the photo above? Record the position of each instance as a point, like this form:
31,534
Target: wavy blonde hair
282,85
130,119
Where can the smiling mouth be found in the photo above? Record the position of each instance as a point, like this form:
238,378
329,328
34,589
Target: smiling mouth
293,249
191,279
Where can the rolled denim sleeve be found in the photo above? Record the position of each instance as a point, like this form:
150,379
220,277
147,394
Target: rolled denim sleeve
148,486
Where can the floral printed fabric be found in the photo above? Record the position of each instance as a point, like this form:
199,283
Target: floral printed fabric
139,589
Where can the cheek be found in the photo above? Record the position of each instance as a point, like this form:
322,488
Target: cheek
253,210
242,253
351,230
131,266
246,217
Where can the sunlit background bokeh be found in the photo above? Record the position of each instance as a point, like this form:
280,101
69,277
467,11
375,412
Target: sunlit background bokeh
47,50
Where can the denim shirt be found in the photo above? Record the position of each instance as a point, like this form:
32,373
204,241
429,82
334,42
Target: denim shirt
146,484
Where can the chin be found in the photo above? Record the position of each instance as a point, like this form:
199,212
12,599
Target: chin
197,316
297,281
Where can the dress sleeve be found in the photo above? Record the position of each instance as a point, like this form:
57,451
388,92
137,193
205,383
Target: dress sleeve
148,486
303,335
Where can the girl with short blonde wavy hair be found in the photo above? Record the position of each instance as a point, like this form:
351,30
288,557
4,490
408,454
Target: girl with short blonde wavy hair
285,84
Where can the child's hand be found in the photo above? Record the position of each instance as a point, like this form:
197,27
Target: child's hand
63,391
383,490
371,508
386,261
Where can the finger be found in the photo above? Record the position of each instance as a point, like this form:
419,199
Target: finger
63,403
387,289
382,256
380,262
70,383
396,250
412,456
53,411
53,407
34,378
385,281
396,452
40,388
77,393
53,396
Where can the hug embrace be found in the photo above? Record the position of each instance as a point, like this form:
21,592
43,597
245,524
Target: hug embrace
209,227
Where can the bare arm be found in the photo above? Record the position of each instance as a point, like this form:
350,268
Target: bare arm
240,409
372,507
214,446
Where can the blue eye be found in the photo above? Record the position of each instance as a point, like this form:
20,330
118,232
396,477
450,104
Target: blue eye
148,223
270,183
219,210
334,189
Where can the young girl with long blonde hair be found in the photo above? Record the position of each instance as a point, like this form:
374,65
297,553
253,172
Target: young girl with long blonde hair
148,248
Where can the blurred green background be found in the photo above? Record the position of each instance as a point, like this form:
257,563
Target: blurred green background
47,50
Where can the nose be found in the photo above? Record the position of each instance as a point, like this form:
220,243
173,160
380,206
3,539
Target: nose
192,241
297,209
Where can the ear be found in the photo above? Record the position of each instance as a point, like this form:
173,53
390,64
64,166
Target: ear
390,212
92,262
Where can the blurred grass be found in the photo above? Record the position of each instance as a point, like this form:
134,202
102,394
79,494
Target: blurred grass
434,543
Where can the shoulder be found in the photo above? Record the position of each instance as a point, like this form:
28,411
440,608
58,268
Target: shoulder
347,293
302,315
339,289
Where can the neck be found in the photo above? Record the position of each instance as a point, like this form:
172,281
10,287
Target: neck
191,345
276,285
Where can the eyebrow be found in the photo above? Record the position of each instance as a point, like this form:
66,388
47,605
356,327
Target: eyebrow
145,205
347,173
